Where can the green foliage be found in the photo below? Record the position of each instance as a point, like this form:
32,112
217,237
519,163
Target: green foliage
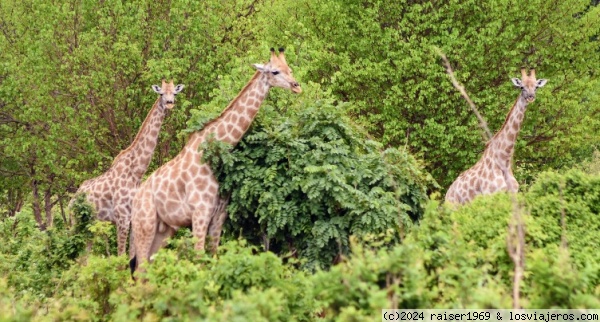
458,258
454,258
558,284
238,286
304,180
592,166
86,289
373,279
572,198
33,260
75,83
378,55
74,89
12,309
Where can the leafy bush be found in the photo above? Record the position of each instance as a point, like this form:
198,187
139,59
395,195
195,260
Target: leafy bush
568,206
240,284
304,181
458,258
453,258
34,260
378,55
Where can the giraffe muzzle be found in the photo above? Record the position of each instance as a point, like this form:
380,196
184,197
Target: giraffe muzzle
170,104
296,88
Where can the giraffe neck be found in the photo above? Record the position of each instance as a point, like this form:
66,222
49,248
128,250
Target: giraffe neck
138,155
502,145
235,120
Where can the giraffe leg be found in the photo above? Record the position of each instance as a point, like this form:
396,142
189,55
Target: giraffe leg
513,186
216,224
143,227
122,232
163,233
200,222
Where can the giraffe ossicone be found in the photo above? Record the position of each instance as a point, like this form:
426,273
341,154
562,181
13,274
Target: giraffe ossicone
184,191
111,193
493,172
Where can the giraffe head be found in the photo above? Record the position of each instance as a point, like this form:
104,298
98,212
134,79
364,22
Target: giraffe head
278,72
167,93
528,84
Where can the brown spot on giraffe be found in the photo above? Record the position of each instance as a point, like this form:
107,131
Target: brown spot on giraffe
111,192
494,168
201,205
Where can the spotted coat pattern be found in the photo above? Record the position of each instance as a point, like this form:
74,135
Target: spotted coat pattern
493,172
184,191
111,193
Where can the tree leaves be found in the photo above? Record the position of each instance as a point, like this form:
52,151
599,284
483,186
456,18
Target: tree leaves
307,179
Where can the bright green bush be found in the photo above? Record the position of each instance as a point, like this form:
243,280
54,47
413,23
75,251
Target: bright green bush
378,55
33,261
241,283
83,292
453,258
575,198
12,309
458,258
304,179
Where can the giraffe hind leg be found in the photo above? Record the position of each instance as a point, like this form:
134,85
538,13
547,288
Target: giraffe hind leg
123,225
144,222
200,222
216,224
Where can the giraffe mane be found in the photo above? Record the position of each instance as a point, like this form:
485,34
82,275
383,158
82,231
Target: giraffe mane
503,124
233,101
137,137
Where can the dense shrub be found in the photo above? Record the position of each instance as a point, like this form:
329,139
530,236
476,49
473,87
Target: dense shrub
33,260
378,55
305,179
240,284
453,258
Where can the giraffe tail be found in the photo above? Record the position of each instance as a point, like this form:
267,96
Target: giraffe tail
132,265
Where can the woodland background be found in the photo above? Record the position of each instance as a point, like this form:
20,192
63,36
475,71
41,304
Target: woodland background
350,172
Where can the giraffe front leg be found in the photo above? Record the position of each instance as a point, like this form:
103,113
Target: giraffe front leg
144,220
513,185
216,224
163,233
123,221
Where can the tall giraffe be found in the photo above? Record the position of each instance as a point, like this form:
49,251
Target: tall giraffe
111,193
493,172
184,191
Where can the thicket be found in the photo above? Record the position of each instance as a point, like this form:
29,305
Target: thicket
453,259
303,180
379,55
332,175
75,77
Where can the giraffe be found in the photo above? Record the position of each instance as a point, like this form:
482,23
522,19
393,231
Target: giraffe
493,172
111,193
184,191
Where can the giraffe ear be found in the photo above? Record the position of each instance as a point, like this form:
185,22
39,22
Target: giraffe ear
517,82
179,88
541,82
259,67
156,89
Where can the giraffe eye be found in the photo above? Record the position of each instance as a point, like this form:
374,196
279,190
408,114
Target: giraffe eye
275,73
